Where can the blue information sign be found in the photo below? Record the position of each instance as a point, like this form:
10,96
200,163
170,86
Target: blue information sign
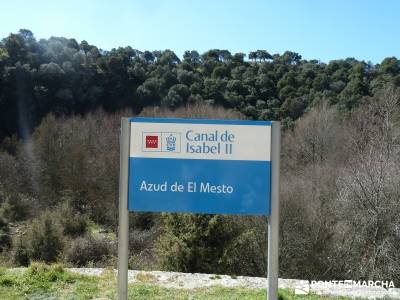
200,166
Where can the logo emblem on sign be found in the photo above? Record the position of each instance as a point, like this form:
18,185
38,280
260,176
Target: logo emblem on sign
152,141
171,143
161,142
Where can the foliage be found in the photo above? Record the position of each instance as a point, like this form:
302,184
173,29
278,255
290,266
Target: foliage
73,223
245,253
89,249
21,255
213,244
141,248
5,237
16,207
63,76
43,240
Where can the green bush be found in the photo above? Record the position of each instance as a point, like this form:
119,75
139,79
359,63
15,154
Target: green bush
76,225
213,244
16,207
5,237
7,280
142,220
41,279
89,249
194,243
20,252
246,254
46,273
73,223
44,238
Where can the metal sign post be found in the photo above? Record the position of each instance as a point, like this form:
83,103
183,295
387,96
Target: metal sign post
123,228
273,219
199,166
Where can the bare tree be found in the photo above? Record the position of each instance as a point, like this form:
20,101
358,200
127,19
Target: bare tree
369,191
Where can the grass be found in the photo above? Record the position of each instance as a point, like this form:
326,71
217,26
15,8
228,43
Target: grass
145,277
41,281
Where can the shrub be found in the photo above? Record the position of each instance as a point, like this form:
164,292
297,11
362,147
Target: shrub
20,252
145,277
45,238
9,175
73,223
16,207
7,280
89,249
47,273
142,220
143,260
5,238
196,243
140,240
213,244
40,277
141,246
246,254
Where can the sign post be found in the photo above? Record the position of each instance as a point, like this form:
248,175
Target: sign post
123,226
273,219
200,166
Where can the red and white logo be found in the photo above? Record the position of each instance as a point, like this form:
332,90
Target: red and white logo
151,141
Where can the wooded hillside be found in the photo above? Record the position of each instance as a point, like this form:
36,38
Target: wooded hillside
63,76
60,107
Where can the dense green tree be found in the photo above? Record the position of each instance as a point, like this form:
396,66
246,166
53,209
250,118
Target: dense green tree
253,55
390,65
169,57
177,96
64,76
148,92
263,55
193,57
238,58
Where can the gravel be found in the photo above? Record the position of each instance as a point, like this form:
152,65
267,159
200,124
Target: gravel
196,280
